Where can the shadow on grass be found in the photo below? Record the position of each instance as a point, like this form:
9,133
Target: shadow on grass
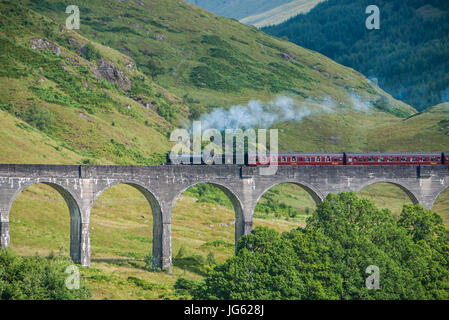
194,264
122,262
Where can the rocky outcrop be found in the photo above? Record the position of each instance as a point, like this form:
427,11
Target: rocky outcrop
74,42
108,71
44,44
160,37
288,56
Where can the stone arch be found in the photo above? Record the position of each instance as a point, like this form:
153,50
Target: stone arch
242,225
159,244
76,218
147,193
315,194
407,191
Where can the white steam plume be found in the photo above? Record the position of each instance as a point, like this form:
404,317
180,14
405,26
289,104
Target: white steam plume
359,104
255,114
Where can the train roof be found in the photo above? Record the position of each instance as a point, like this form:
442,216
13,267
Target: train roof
395,154
283,154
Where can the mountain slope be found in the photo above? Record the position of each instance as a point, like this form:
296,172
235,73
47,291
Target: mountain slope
281,13
113,90
107,106
214,62
126,117
238,9
412,65
430,128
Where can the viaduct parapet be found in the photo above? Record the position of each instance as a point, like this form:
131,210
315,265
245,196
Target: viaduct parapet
80,186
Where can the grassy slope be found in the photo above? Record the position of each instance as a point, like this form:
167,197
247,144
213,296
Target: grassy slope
280,14
425,131
34,146
236,8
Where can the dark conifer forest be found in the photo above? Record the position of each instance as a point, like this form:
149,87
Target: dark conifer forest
408,55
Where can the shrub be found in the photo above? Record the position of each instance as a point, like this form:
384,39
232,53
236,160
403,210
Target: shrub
7,107
149,266
36,278
90,53
38,117
328,259
210,194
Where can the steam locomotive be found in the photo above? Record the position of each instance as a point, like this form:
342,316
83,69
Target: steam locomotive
320,159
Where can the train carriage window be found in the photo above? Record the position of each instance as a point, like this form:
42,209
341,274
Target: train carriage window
362,159
414,159
293,159
380,159
273,158
390,159
318,159
308,159
336,159
328,159
350,159
371,159
300,159
423,159
432,159
404,159
284,159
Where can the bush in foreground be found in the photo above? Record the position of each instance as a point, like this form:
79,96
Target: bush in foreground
328,258
36,278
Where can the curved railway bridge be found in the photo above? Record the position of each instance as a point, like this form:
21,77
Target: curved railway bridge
162,185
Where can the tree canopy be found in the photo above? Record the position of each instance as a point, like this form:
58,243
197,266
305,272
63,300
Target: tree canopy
328,259
37,278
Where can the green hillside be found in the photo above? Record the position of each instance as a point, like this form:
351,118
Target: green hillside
214,55
281,13
258,13
238,9
118,107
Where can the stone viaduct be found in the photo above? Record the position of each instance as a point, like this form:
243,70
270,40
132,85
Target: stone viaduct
80,186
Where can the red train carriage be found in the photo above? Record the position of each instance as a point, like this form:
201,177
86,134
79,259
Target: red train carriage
393,158
322,159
